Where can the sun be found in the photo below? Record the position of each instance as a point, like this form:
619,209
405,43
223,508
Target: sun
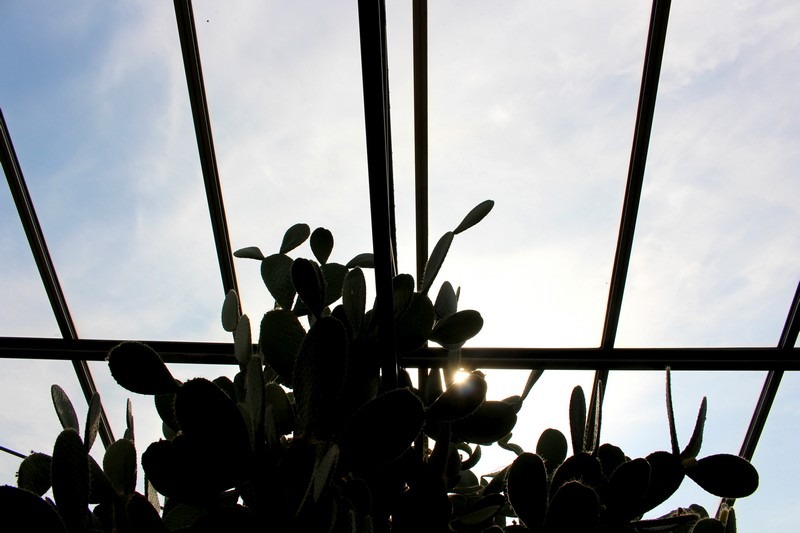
461,375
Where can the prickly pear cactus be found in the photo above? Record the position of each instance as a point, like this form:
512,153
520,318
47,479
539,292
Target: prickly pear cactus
600,489
305,438
77,481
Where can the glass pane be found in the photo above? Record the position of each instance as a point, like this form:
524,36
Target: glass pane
28,421
774,506
24,308
96,101
717,251
715,259
285,97
531,105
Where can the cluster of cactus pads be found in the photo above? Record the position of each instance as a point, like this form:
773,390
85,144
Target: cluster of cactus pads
306,439
599,489
77,481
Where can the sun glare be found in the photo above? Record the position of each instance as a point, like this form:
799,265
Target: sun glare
460,376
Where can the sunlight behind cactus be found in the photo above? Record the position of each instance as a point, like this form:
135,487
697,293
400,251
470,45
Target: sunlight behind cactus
306,437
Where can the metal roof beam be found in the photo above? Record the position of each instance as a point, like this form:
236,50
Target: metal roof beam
205,141
654,52
732,359
420,52
372,32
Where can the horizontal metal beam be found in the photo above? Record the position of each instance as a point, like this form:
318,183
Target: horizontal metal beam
97,349
211,353
614,359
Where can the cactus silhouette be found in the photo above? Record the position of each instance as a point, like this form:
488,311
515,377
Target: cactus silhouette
305,438
78,481
599,489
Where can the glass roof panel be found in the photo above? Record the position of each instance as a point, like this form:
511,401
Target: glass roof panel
31,424
775,505
24,308
532,105
717,252
96,103
285,98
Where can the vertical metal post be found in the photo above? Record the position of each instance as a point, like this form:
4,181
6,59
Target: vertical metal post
420,53
376,97
388,126
420,39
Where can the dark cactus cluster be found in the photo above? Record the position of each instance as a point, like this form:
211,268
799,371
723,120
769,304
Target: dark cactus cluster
600,489
307,438
77,482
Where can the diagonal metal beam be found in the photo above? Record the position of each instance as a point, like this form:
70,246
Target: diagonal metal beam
786,344
205,141
654,52
47,271
771,384
372,32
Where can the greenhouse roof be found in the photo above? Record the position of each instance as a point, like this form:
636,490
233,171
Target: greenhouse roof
643,161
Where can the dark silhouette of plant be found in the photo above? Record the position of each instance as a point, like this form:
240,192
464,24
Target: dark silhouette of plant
599,489
78,481
306,439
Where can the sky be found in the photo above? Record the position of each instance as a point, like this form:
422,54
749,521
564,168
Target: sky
532,104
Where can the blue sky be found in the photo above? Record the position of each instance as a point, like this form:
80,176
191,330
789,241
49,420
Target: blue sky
531,104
